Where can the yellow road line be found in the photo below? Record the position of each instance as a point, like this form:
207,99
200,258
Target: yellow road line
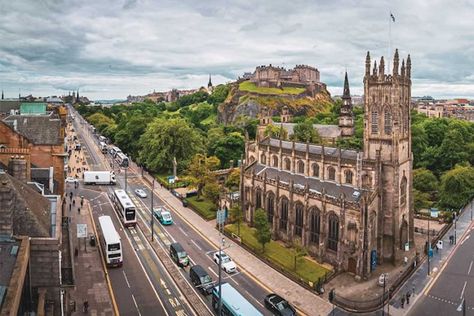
107,279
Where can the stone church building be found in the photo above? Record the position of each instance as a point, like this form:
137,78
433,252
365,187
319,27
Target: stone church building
350,208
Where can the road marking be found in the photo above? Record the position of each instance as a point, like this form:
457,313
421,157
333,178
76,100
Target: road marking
126,279
463,288
182,230
195,244
213,271
136,306
467,237
254,298
470,267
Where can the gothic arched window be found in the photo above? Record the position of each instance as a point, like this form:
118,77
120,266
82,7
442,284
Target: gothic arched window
387,122
284,214
374,122
333,235
314,225
403,191
315,168
263,159
275,161
258,199
287,164
270,207
331,173
348,175
300,167
299,219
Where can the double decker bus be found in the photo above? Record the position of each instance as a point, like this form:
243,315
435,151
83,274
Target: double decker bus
125,207
110,242
233,303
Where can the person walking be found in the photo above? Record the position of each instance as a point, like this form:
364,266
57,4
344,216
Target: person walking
86,306
402,300
408,297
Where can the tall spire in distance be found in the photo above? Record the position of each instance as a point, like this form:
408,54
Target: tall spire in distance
367,64
3,97
347,93
209,84
395,63
346,117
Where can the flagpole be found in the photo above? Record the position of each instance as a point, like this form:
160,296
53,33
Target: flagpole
389,57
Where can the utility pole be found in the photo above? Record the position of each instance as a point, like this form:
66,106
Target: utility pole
455,221
152,215
220,223
126,179
383,297
428,246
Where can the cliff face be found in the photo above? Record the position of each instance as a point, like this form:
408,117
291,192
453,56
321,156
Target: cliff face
249,103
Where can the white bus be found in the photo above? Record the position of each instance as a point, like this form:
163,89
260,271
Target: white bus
110,242
114,150
122,160
125,208
103,147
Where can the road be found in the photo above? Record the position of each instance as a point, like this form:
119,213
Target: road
198,248
454,282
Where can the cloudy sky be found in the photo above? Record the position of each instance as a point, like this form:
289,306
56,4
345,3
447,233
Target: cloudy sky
112,48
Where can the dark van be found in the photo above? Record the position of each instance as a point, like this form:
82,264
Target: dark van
201,279
178,254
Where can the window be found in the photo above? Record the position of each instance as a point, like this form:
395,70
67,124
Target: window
315,168
314,226
300,167
333,236
331,173
275,161
284,214
403,191
263,159
270,207
348,175
299,220
258,200
287,164
375,122
387,122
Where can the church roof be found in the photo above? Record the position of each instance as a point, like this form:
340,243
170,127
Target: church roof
325,131
333,189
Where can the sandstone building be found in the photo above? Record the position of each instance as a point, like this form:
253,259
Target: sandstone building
271,76
350,208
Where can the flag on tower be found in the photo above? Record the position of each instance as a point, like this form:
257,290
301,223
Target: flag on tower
393,18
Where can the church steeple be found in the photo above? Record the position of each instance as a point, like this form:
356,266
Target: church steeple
3,97
346,118
347,92
209,84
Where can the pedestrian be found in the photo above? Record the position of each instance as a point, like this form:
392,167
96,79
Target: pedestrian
86,306
74,202
79,210
403,301
70,195
70,207
413,290
82,201
436,248
408,298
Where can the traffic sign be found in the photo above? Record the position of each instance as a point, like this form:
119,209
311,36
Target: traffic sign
81,230
220,217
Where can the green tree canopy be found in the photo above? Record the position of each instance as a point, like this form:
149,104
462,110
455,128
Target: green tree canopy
424,180
219,94
275,131
457,187
200,172
227,148
305,132
165,139
129,131
263,233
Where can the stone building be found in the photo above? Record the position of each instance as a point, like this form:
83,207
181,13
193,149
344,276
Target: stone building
271,76
350,208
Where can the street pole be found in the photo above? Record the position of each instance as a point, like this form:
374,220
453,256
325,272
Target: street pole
455,221
383,297
428,247
126,179
152,215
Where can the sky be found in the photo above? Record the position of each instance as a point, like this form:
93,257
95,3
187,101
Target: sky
112,48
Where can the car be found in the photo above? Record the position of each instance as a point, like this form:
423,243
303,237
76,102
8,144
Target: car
201,279
71,180
278,305
141,193
163,215
227,264
179,255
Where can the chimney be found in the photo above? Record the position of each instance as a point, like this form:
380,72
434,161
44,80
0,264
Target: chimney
6,206
17,168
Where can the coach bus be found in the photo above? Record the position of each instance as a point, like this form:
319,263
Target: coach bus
233,303
110,242
125,208
114,150
122,160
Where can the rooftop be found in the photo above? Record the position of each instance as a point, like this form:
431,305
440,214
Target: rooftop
35,108
39,129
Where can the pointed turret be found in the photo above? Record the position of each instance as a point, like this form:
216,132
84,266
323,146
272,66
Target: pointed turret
408,66
346,117
382,67
209,84
347,93
374,71
395,63
402,70
367,64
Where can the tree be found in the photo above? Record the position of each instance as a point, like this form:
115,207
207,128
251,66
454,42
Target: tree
305,132
424,180
275,131
229,147
212,190
457,187
129,132
298,251
421,200
237,216
452,149
164,140
219,94
435,130
200,173
233,180
419,141
263,233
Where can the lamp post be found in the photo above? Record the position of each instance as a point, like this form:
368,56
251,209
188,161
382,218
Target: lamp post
455,221
383,296
428,245
152,215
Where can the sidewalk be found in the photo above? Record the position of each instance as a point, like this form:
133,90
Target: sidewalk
420,280
272,280
89,274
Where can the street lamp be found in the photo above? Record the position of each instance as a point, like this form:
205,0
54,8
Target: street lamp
152,215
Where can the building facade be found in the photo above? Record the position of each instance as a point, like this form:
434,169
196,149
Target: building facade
271,76
350,208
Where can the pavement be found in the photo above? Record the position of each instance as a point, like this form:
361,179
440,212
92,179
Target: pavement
273,281
90,279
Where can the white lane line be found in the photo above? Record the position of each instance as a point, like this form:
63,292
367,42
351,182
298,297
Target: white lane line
470,267
258,302
126,279
213,271
463,288
196,245
136,305
182,230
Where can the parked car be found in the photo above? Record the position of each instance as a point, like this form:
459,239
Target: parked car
178,254
201,279
227,264
278,305
71,180
141,193
163,215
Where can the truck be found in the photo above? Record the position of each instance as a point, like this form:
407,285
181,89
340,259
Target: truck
99,177
163,215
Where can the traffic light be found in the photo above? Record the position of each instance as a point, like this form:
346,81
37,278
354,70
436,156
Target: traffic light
331,295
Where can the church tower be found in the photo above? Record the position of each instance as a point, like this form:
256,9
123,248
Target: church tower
210,88
346,118
387,141
265,119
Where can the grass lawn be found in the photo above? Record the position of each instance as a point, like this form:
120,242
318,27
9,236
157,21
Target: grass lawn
251,87
206,208
306,269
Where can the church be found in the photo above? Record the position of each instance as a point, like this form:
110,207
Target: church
350,208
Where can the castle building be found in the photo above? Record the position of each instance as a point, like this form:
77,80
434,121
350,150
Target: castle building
271,76
350,208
